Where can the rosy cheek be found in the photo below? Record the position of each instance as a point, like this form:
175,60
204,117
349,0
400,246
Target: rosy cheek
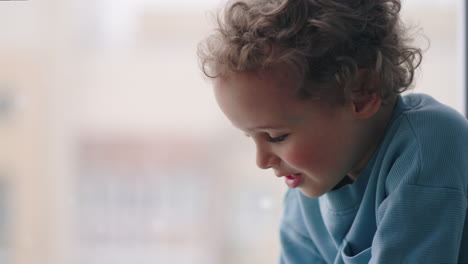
303,158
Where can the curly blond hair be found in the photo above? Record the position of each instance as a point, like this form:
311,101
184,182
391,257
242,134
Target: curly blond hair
325,41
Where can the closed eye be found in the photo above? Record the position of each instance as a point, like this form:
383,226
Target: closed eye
277,139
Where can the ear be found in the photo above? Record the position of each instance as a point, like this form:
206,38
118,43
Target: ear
365,101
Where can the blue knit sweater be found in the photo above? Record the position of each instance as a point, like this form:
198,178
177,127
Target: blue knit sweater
408,205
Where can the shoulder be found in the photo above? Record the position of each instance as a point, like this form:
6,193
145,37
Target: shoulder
432,120
427,145
439,130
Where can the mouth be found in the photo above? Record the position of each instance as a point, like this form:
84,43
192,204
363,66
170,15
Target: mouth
294,180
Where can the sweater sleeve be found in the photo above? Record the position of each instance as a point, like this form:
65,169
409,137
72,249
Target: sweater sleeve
419,224
296,245
422,218
297,249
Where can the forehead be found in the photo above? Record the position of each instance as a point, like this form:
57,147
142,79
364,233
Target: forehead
257,99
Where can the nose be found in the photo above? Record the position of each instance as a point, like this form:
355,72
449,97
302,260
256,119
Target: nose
266,159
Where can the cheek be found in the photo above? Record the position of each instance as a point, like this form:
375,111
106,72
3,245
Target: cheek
312,156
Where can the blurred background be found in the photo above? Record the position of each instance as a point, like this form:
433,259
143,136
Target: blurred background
112,149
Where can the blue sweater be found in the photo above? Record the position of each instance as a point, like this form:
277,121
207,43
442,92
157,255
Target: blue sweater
408,205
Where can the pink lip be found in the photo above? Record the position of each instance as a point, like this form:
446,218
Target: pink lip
294,180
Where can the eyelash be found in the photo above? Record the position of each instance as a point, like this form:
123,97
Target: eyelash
277,139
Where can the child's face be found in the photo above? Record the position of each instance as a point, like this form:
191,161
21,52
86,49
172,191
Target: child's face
311,143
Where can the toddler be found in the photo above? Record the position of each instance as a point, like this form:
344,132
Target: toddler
373,176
